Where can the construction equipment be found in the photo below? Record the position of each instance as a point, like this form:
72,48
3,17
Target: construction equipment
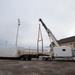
50,33
58,51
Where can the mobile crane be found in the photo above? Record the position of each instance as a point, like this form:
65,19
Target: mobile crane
50,34
58,51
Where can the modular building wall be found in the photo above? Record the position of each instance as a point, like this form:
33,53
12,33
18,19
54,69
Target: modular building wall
63,51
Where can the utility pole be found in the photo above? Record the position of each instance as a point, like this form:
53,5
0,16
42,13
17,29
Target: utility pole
17,31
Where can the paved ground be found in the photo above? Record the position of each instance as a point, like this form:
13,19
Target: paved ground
36,67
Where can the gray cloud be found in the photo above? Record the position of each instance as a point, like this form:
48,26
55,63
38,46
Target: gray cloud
58,15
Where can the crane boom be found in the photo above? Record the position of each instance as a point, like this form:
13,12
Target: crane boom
50,33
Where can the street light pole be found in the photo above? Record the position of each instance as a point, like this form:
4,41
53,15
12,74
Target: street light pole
17,31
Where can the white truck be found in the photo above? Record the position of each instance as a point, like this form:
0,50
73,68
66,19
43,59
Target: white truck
58,52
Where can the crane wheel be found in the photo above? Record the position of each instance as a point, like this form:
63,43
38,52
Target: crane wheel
43,59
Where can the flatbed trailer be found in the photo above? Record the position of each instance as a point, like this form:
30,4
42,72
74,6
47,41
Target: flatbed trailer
20,52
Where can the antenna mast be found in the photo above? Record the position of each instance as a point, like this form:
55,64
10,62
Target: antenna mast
40,39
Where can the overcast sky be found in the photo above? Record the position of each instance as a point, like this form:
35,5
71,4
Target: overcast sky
58,15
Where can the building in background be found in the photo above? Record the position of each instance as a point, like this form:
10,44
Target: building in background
70,41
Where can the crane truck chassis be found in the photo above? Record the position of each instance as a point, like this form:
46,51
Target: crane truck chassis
58,52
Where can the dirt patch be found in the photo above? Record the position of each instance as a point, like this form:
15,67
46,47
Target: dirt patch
36,67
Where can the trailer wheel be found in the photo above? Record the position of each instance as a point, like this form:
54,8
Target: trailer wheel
26,59
49,59
22,58
43,59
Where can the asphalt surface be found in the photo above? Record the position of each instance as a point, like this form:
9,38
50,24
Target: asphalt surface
36,67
